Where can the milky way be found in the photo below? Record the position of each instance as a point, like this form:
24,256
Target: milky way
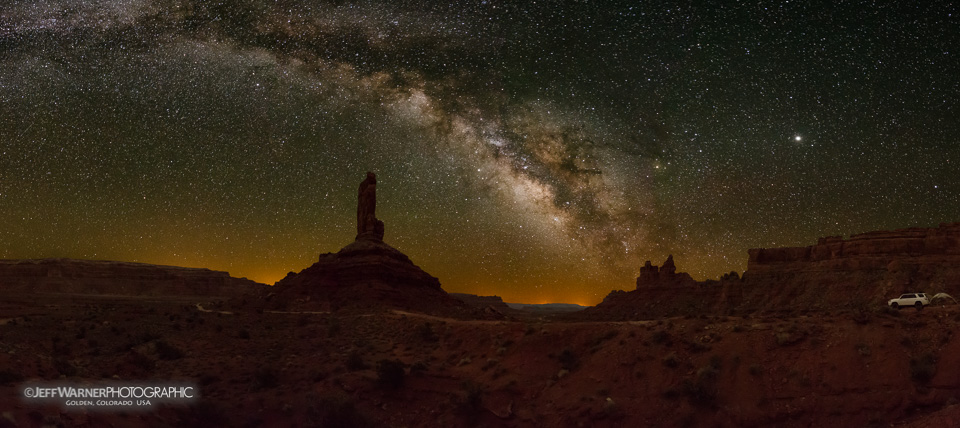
540,152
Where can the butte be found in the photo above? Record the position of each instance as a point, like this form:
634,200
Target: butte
366,275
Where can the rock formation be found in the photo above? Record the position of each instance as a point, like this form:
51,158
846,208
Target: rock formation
861,272
866,269
117,278
666,276
662,291
366,273
368,226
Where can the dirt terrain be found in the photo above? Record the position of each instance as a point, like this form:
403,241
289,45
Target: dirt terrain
403,369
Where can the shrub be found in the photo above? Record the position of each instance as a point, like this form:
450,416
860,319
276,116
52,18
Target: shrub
700,392
671,360
264,378
64,367
243,334
472,396
426,333
355,362
923,368
390,373
333,328
337,411
208,413
166,351
568,360
661,337
8,377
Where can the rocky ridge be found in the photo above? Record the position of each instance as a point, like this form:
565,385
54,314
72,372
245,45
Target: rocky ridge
835,274
72,276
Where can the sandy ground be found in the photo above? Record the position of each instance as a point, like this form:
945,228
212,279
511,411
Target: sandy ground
407,369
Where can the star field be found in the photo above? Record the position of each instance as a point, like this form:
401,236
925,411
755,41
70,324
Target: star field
537,151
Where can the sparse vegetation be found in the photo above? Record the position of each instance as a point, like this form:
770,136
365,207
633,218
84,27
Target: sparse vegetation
355,362
671,360
923,368
472,397
64,367
426,333
568,360
661,337
390,373
8,377
337,411
265,378
166,351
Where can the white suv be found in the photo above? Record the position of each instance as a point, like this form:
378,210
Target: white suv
918,300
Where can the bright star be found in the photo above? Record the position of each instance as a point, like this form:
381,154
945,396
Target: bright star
797,138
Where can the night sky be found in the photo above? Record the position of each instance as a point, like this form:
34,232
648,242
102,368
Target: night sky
537,151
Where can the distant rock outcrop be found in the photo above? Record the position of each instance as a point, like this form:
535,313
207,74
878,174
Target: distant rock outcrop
661,292
867,268
666,276
367,273
860,272
99,277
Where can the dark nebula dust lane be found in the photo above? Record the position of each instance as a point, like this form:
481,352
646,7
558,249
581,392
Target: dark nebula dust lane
540,152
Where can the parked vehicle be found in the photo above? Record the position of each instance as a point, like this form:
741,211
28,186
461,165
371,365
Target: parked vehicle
917,300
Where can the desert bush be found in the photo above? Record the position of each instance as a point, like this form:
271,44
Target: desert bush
568,360
243,334
716,361
610,334
789,336
335,411
671,393
418,367
265,378
697,347
8,377
355,362
166,351
661,337
141,361
209,379
145,337
426,333
863,349
923,367
333,328
700,392
671,360
755,370
390,373
64,367
472,397
208,413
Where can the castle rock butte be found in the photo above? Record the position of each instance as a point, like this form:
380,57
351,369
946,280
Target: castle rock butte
367,273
